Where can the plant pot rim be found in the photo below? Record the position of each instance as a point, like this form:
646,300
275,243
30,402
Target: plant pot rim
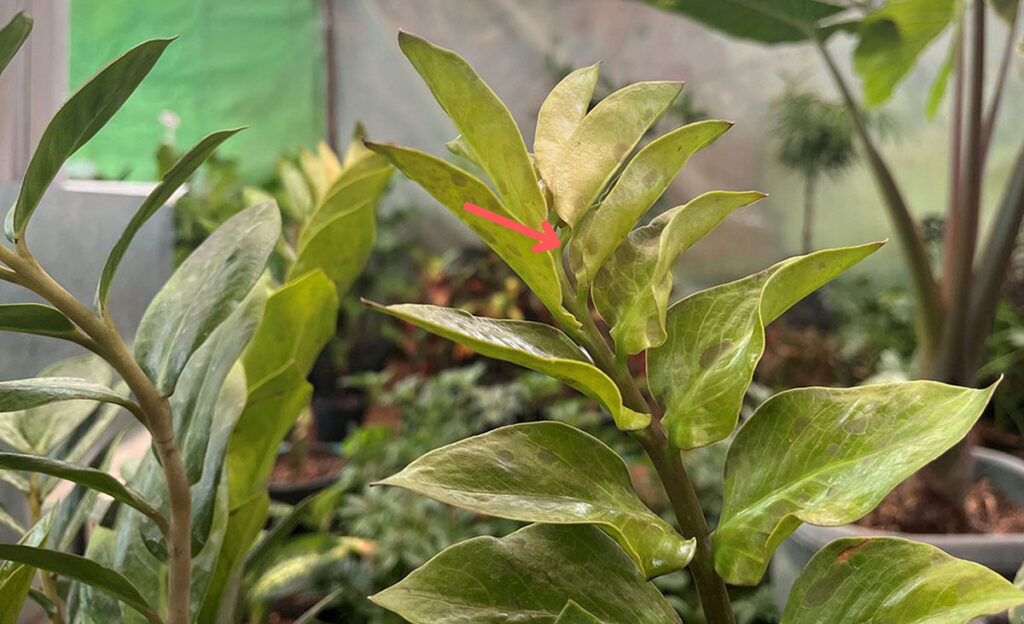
313,485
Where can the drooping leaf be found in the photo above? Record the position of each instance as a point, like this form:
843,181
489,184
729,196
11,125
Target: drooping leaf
528,577
82,116
89,477
82,570
891,40
47,426
552,473
766,21
486,124
602,141
204,291
887,579
453,187
834,454
33,318
575,614
634,285
299,320
562,110
716,337
23,394
169,183
12,37
642,182
535,346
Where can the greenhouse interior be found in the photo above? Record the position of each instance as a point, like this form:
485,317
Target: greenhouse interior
525,311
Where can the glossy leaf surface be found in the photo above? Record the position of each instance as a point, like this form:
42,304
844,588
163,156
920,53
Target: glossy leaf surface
575,614
855,580
633,287
24,394
716,337
12,37
528,577
33,318
535,346
204,291
834,454
552,473
766,21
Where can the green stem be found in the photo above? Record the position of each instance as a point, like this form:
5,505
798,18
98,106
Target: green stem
155,409
923,284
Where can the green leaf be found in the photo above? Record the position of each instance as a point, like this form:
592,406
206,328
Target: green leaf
891,40
297,190
84,440
461,148
47,426
309,617
535,346
257,557
560,114
299,320
601,143
551,473
23,394
201,384
1006,10
528,577
834,455
88,605
10,521
16,578
170,182
89,477
76,122
77,507
486,124
12,37
33,318
633,287
938,90
766,21
642,182
453,187
204,291
716,337
80,569
887,579
575,614
300,564
244,524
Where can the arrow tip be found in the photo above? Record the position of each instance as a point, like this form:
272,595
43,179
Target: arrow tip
548,239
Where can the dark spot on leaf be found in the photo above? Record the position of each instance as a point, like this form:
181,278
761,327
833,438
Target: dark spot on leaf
856,426
651,178
832,450
548,457
458,180
712,353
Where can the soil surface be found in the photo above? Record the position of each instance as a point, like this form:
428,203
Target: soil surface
319,464
914,507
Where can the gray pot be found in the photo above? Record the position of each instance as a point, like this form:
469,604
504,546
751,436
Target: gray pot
1002,553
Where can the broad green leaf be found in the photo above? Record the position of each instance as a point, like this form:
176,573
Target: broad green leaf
12,37
453,187
75,448
244,524
602,141
834,455
299,320
205,561
528,577
200,386
938,90
16,577
887,579
642,182
33,318
47,426
82,570
76,122
716,337
204,291
634,285
485,123
575,614
81,503
24,394
170,182
552,473
562,110
766,21
535,346
89,477
297,190
88,605
891,40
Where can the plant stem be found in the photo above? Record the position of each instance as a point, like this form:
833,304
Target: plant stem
810,180
155,407
923,284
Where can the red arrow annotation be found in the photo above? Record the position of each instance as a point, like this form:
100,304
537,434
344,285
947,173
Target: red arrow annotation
546,240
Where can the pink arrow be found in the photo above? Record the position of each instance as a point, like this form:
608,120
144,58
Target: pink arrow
546,240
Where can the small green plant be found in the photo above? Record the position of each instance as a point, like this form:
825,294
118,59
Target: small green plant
819,455
216,375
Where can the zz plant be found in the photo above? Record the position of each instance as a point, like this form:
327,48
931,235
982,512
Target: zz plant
825,456
217,375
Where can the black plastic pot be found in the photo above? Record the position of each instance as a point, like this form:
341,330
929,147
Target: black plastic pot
295,493
335,415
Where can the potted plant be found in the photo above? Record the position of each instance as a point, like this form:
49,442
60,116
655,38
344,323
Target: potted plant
956,304
817,455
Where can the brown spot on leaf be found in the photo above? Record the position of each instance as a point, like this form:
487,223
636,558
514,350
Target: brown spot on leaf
849,552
